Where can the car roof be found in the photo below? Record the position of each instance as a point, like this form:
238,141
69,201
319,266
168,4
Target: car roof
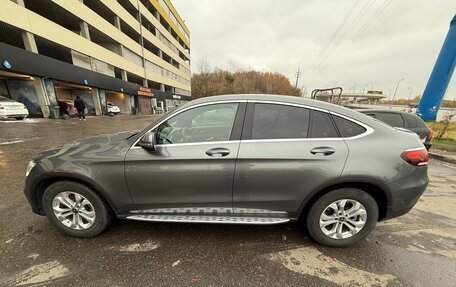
385,111
286,99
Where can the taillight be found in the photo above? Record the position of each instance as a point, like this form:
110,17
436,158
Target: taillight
416,157
431,133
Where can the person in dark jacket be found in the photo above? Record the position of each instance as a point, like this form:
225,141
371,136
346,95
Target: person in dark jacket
80,106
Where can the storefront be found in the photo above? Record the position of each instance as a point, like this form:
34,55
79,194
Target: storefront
66,93
145,101
119,99
20,88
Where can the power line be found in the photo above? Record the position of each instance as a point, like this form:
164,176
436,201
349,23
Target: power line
372,19
347,31
335,34
361,29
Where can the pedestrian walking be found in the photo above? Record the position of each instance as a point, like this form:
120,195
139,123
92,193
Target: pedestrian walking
80,106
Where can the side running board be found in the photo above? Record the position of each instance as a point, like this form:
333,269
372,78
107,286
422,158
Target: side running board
208,219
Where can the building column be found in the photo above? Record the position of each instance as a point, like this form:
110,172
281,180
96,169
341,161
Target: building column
102,97
145,84
162,87
42,96
20,2
127,104
117,22
29,42
160,53
124,75
96,101
84,30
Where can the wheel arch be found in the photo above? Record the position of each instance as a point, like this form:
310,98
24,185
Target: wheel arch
376,189
44,182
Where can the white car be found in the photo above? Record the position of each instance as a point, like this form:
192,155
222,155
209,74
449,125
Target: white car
113,108
12,109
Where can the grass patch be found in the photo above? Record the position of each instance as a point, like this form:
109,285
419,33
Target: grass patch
448,141
444,144
437,127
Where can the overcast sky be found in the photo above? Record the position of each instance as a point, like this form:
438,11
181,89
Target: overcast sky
345,43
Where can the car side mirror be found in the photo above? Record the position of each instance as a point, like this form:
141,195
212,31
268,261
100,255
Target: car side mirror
147,141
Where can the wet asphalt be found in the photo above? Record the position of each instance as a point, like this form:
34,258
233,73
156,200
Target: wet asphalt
418,249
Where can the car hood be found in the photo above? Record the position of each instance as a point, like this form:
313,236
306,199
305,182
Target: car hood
85,147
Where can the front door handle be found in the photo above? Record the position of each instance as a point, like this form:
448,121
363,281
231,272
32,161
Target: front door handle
218,152
322,150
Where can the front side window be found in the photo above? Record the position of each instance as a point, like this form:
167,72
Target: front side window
273,121
202,124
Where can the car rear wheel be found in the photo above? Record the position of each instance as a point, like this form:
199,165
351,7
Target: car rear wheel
76,209
342,217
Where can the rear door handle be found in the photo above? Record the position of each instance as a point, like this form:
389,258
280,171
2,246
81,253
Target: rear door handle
218,152
322,150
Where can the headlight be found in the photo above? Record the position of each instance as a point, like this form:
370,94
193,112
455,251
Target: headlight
30,166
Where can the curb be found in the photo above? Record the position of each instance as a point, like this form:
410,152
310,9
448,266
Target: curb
442,157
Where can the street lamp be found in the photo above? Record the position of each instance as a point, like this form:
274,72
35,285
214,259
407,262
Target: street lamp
395,91
408,100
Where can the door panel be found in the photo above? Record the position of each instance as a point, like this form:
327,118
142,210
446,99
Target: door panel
280,174
193,162
181,175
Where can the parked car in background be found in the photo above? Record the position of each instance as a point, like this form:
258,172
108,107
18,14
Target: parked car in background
113,108
11,109
67,107
239,159
404,120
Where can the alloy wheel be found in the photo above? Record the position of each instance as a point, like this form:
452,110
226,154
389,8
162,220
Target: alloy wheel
343,218
73,210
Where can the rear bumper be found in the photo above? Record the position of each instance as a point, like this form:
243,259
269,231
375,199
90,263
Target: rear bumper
407,192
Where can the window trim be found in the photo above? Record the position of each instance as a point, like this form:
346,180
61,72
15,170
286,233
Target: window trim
177,112
248,123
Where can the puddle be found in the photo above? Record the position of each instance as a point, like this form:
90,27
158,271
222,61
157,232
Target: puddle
137,247
310,261
42,273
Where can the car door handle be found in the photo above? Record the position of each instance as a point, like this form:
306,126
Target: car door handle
322,150
218,152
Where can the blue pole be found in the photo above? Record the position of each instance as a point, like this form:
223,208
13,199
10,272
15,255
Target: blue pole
440,77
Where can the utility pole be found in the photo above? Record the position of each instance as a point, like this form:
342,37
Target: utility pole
298,74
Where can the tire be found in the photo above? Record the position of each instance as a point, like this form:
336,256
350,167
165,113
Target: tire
92,204
19,118
366,214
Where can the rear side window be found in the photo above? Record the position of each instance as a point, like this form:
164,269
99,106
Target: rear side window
411,121
348,128
322,126
272,121
392,119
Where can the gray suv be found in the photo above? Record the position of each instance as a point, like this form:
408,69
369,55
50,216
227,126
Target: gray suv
242,159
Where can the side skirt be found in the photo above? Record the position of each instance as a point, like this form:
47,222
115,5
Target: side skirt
209,215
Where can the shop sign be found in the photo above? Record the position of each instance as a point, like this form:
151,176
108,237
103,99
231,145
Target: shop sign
176,97
143,91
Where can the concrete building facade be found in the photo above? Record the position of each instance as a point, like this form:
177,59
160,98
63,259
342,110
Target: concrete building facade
133,53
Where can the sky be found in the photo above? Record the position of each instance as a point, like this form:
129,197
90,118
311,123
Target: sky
355,44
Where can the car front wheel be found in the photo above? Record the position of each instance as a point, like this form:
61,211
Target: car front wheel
75,209
342,217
